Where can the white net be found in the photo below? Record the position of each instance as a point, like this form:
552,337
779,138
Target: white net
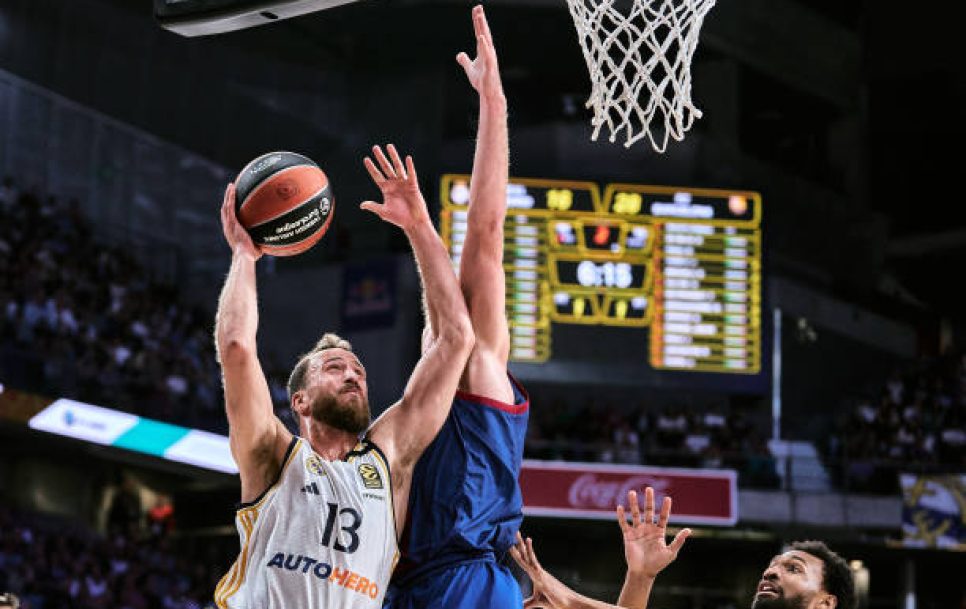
639,58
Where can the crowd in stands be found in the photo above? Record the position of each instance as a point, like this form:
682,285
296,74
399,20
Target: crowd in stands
50,563
86,321
917,423
674,436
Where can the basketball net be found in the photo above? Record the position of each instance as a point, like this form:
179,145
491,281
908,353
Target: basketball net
639,60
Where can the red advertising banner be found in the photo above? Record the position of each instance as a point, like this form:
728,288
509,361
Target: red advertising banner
593,490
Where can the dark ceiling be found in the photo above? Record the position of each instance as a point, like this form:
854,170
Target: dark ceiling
913,100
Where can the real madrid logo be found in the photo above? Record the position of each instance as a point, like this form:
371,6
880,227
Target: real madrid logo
370,476
314,465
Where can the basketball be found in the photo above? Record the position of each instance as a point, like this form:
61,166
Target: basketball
284,201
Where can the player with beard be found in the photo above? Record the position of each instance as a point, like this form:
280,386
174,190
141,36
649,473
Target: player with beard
319,511
807,575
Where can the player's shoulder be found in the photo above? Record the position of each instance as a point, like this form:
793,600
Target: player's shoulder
367,450
498,393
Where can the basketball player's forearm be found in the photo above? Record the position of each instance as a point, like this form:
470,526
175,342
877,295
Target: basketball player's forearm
481,267
573,600
490,165
444,301
636,591
430,314
236,322
488,193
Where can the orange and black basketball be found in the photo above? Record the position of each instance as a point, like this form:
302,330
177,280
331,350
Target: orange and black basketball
284,201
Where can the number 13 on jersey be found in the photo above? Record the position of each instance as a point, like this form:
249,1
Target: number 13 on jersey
349,520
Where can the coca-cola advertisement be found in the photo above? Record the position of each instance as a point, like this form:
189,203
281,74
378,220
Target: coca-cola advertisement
593,490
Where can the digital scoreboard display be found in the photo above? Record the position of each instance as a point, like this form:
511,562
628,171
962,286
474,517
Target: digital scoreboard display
673,274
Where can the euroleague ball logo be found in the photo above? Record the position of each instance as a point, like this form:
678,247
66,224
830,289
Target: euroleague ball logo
286,189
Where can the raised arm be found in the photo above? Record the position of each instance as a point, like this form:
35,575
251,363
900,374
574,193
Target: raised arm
408,427
645,550
548,591
257,438
482,277
481,267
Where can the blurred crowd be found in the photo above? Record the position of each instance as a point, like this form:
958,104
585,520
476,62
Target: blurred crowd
49,563
83,320
675,436
917,423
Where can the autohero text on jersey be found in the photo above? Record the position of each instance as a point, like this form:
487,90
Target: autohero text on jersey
307,565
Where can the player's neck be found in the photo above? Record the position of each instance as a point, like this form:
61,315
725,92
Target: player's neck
328,442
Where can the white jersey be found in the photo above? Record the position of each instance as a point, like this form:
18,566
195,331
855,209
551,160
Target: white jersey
322,537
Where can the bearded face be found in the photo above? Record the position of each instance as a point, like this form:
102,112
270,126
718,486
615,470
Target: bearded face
347,410
793,580
768,601
336,392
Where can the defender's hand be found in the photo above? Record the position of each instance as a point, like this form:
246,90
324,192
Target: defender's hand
644,541
548,591
403,203
483,72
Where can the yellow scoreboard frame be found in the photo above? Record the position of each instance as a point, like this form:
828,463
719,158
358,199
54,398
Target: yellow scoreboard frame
683,262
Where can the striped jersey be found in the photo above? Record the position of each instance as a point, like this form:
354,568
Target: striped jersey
322,536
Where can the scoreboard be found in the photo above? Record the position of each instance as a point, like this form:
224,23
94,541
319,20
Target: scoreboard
678,269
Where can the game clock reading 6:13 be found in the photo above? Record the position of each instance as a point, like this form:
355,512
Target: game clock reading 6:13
682,263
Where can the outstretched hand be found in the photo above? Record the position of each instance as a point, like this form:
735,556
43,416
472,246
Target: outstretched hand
402,202
644,541
237,237
548,591
483,71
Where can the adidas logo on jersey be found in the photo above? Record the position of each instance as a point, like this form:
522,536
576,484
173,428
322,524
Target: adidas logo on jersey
311,489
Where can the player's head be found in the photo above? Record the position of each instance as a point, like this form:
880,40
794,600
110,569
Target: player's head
9,601
807,575
328,384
